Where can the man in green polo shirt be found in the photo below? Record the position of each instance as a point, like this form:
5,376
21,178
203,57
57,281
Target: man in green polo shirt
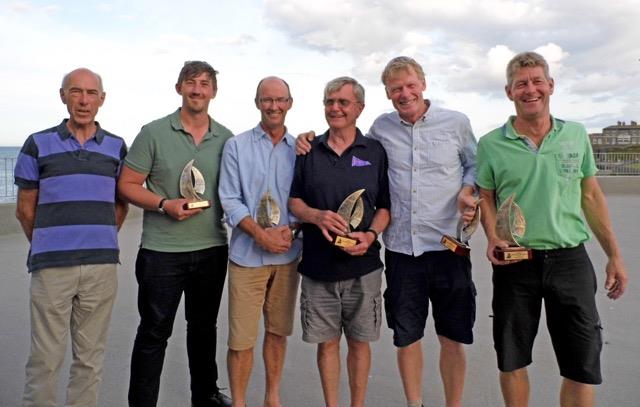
547,165
182,250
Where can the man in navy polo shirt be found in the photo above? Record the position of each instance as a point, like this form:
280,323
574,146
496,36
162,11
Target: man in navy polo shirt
341,286
67,206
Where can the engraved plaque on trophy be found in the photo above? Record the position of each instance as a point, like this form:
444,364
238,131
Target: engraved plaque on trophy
352,211
268,214
510,226
191,186
460,244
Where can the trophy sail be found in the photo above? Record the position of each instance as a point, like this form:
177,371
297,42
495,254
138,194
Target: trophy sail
268,214
459,245
192,184
352,211
511,226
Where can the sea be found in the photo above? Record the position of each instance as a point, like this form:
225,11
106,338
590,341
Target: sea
8,190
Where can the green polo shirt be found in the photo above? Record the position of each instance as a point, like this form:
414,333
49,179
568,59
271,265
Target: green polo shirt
161,150
546,182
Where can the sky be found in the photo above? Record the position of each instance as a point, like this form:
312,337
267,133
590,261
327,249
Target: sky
139,46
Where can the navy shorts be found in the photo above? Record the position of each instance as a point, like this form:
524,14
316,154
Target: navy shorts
566,281
440,277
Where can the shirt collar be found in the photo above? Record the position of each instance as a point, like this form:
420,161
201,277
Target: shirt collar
510,132
176,124
359,141
258,133
64,133
427,115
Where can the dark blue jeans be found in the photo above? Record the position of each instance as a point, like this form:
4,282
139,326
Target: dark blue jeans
162,278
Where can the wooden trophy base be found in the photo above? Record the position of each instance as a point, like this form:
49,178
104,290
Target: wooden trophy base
197,205
344,241
455,246
513,253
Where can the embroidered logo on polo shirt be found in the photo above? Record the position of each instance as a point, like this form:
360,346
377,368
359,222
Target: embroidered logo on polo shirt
357,162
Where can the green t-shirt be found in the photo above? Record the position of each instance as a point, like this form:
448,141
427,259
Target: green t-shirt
546,182
161,150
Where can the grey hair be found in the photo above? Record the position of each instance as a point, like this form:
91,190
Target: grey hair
524,60
67,77
336,84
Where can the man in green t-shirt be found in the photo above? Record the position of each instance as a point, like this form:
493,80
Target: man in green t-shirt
547,165
182,250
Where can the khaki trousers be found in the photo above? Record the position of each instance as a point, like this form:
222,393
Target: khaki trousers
76,300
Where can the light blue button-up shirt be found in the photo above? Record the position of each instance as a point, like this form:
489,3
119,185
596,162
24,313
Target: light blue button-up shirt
429,162
252,165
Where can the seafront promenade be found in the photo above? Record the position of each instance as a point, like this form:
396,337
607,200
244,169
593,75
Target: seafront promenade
301,383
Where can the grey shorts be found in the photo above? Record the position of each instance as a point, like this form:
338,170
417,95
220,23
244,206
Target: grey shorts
354,305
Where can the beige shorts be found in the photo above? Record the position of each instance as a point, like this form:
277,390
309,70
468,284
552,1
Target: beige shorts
270,289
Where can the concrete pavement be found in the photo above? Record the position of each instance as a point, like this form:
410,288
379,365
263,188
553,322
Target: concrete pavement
301,384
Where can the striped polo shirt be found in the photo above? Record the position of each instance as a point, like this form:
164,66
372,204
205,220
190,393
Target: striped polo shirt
75,219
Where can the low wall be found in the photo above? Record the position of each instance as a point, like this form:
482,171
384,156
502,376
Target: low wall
611,185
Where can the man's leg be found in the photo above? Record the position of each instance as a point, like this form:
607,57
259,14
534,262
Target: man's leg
203,293
161,282
273,353
329,366
410,366
51,292
89,325
239,364
453,366
574,394
515,387
358,366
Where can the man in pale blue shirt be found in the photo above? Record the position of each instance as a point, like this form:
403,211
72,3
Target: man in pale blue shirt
255,178
431,152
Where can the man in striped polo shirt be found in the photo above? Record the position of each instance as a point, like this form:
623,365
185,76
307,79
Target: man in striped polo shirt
68,210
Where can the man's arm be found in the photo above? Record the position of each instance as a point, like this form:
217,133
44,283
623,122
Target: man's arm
327,221
122,208
596,212
26,209
467,202
131,189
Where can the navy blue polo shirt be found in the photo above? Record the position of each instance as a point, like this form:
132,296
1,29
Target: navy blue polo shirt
75,220
323,179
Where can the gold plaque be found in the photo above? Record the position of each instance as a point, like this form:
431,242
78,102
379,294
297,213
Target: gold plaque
511,226
191,186
352,211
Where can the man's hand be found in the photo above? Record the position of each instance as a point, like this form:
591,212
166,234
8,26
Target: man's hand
365,239
467,204
494,244
303,142
616,282
174,208
275,240
330,222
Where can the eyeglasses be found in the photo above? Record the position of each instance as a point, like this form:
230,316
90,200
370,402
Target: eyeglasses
268,101
341,102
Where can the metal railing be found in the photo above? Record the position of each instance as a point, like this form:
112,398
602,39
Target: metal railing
607,163
617,163
8,191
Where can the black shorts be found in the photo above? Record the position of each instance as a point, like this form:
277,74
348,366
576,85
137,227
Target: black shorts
565,279
441,277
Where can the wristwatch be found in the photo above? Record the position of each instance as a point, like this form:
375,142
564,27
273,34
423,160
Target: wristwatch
161,210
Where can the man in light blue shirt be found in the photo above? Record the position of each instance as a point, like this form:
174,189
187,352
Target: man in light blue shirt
255,178
431,152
